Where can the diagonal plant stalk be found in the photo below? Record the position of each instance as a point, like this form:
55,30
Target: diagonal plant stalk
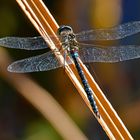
41,100
46,25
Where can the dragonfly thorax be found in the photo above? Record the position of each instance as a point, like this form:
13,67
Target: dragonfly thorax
67,38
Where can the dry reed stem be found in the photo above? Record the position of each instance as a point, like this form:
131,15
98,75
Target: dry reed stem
46,25
41,100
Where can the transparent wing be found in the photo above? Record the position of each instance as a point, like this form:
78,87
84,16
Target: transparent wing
89,53
117,32
27,43
44,62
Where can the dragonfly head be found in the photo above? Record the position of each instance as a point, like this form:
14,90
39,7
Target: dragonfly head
64,29
65,33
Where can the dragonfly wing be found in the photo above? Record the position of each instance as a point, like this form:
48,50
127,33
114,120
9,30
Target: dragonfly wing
112,54
114,33
44,62
27,43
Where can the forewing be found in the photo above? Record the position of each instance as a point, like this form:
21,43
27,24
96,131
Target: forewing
114,33
27,43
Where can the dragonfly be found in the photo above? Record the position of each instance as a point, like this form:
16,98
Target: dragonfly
71,43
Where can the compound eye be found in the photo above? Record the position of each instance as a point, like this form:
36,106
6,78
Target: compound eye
64,28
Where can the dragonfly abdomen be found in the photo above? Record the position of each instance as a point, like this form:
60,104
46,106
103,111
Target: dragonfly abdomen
87,88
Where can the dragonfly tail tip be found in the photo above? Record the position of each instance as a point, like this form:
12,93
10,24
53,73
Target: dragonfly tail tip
97,114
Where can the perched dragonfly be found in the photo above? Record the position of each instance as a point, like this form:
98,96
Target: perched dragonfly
71,44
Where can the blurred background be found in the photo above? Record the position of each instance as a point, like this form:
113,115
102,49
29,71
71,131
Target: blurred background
120,82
